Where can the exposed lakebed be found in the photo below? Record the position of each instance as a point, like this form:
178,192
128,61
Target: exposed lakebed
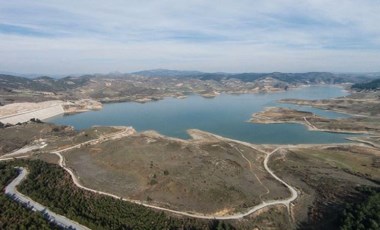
224,115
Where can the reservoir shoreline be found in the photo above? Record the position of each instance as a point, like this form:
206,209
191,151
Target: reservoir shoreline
224,115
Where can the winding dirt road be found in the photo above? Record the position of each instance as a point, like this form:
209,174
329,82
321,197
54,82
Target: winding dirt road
60,220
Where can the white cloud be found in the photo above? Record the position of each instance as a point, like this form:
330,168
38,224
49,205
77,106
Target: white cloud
102,36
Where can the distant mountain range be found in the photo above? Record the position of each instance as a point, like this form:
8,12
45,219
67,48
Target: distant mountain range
167,73
42,83
249,76
304,78
34,75
51,84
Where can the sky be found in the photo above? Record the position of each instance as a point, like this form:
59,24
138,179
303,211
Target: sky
97,36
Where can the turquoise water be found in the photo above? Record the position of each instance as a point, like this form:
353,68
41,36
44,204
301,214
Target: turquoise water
225,115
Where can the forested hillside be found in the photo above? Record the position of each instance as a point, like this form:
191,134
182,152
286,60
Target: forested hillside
364,215
14,215
372,85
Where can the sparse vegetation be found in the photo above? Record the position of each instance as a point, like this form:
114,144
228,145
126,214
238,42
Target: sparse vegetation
314,122
17,136
359,103
159,168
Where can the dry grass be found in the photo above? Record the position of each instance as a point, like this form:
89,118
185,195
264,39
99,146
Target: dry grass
203,175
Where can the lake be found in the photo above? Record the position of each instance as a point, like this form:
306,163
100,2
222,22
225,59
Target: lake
225,115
